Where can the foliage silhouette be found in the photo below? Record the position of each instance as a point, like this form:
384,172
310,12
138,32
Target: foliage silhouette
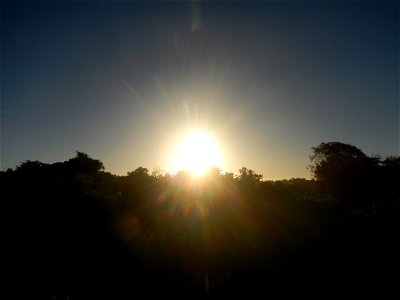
344,172
249,175
77,230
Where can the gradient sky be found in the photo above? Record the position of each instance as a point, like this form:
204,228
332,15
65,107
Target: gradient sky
124,81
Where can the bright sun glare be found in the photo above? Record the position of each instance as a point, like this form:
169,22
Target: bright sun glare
196,153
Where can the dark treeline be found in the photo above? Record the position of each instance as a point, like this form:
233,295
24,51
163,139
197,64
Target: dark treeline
77,231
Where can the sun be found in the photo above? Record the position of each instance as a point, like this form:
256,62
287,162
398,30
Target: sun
196,153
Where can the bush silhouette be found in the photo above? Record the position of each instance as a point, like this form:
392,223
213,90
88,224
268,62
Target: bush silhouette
80,231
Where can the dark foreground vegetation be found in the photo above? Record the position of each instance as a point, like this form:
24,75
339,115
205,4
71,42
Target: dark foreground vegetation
76,231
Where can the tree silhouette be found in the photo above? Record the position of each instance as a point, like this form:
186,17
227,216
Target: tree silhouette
84,164
157,172
30,166
344,171
140,171
248,175
95,234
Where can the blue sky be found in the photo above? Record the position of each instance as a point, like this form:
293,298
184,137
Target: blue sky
123,81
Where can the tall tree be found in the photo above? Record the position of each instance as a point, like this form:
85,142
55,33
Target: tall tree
249,175
84,164
343,171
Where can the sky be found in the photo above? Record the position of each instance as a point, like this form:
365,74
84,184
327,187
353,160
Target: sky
125,81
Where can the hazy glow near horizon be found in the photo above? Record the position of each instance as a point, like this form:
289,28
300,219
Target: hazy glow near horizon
264,80
196,153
